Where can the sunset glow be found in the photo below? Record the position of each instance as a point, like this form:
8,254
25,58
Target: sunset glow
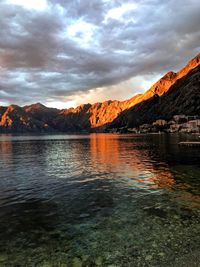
99,133
65,53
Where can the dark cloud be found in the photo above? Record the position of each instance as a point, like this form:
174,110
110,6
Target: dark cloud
76,46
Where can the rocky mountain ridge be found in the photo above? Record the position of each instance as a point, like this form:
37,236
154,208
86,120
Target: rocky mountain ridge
183,97
178,89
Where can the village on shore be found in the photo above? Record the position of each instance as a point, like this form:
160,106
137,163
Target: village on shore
179,123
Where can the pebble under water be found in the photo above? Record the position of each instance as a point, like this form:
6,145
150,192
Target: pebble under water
99,200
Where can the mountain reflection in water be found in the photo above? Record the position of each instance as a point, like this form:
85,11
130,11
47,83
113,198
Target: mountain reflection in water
98,200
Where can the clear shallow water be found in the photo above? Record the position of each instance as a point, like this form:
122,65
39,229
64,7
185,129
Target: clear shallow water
99,200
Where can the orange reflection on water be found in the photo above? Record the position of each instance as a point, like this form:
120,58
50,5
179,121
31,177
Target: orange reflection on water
6,151
164,179
104,150
123,155
188,199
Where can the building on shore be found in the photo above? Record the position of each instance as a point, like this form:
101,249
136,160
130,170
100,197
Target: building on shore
179,123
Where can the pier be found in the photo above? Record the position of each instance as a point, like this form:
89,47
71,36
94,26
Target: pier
190,144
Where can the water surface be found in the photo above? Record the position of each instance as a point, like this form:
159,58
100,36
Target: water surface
99,200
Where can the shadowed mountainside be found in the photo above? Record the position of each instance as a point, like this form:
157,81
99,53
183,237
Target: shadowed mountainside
183,97
174,93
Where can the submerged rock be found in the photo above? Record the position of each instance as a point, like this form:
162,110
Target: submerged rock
148,257
77,262
157,212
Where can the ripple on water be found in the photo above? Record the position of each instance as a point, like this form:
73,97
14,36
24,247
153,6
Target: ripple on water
98,200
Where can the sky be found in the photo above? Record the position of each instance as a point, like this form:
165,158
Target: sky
66,52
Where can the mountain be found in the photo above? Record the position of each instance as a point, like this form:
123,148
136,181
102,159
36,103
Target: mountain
174,93
15,119
183,97
164,84
87,117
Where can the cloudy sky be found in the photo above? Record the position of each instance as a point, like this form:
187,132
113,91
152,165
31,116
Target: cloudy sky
66,52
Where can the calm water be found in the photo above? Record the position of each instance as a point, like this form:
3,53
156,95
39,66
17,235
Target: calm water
99,200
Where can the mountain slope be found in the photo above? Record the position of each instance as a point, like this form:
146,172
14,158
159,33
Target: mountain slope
174,93
99,115
183,97
16,119
89,116
164,84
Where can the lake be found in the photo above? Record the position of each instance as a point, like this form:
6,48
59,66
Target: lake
99,200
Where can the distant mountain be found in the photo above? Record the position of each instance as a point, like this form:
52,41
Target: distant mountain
174,93
16,119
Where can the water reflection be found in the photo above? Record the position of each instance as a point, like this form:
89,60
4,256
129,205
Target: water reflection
131,158
104,149
6,152
70,200
164,179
